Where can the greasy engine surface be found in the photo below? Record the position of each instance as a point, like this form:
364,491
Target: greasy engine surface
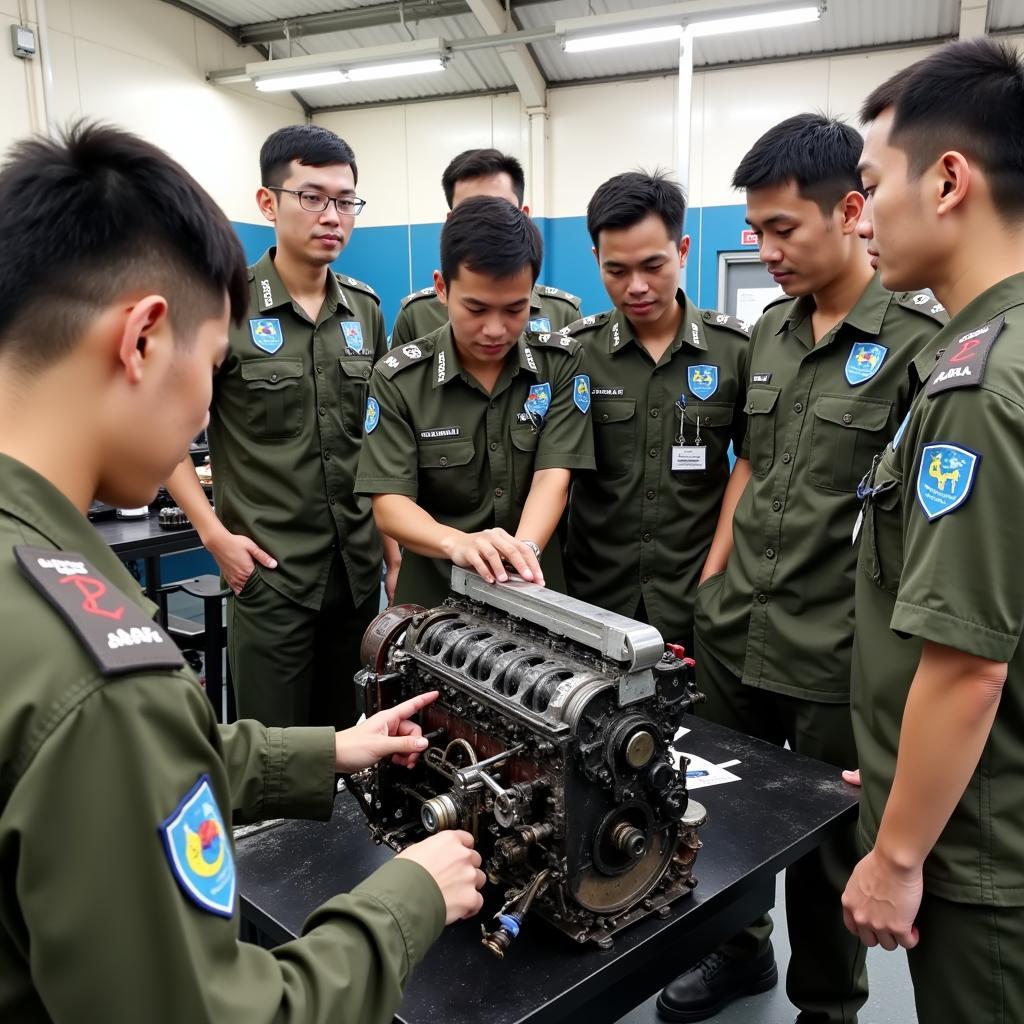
550,743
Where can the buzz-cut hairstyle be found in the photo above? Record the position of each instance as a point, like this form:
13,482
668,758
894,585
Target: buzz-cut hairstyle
967,96
98,215
816,153
310,145
489,236
627,199
482,163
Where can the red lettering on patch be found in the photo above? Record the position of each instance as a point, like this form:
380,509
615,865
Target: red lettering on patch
965,350
92,590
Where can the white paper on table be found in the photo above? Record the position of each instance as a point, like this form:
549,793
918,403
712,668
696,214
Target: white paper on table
701,773
751,301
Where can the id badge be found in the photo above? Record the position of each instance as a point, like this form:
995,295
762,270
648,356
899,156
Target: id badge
689,458
859,522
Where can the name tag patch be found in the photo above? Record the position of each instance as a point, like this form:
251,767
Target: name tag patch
435,432
963,363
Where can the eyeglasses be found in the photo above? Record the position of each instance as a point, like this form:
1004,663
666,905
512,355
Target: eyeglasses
317,202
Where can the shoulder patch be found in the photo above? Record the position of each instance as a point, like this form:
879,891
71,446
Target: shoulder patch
963,363
359,286
404,355
925,303
114,630
715,319
557,293
586,323
564,342
423,293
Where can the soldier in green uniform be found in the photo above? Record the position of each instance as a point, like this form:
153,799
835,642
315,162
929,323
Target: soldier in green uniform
482,172
938,664
117,787
669,384
471,432
297,547
828,384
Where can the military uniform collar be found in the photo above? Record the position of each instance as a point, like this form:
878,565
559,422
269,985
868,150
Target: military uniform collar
691,328
446,357
866,316
32,499
271,292
535,299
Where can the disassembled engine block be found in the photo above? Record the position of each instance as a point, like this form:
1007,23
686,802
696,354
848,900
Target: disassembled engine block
550,743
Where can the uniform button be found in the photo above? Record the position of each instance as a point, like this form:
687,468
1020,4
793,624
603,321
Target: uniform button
443,460
366,374
707,421
498,492
762,598
327,453
604,417
494,405
322,411
654,413
769,553
319,370
776,505
650,494
786,457
653,453
494,446
273,377
798,407
645,579
847,418
647,538
332,501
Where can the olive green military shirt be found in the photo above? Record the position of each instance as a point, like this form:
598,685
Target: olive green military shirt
422,313
285,431
639,529
939,560
95,921
781,614
468,457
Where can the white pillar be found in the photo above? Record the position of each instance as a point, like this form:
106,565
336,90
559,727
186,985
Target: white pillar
538,162
683,114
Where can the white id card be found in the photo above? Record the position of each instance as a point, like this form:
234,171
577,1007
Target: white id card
859,522
689,457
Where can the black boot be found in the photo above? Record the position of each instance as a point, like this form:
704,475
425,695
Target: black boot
714,982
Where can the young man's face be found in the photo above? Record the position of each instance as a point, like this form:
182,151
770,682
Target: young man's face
487,314
894,219
802,248
497,186
306,237
640,268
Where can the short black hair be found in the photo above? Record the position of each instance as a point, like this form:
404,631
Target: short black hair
310,145
482,163
94,215
967,96
626,199
818,154
489,236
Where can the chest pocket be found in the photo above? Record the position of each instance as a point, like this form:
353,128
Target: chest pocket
614,435
881,549
715,422
354,386
524,454
273,398
760,410
449,483
847,434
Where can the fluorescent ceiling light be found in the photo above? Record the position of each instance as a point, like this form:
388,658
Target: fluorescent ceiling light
751,22
303,80
399,70
634,37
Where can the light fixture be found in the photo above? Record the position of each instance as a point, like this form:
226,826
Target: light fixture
398,70
751,22
634,37
303,80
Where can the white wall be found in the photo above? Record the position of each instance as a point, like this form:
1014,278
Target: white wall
142,65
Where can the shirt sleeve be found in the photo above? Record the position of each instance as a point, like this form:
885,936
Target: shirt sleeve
388,462
567,440
739,415
380,334
743,451
107,923
963,491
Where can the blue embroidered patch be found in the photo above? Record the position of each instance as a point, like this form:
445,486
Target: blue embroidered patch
372,416
900,431
352,332
198,848
538,401
266,335
540,325
945,478
581,392
702,381
864,361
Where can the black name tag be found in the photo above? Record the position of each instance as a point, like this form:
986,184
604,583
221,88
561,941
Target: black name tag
963,364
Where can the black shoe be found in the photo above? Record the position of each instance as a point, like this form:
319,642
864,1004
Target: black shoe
714,982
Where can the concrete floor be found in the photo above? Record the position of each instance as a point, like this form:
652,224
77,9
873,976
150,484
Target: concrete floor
891,1000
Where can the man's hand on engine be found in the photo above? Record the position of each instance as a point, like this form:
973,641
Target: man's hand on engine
387,733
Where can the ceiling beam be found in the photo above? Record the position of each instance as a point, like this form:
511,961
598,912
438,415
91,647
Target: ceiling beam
518,60
973,18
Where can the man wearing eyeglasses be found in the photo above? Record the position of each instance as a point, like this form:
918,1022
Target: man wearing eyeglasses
296,546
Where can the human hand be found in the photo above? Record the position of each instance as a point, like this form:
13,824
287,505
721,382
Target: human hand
449,858
236,557
881,901
387,733
852,776
391,580
487,552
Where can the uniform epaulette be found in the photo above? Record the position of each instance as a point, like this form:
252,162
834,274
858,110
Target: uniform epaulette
563,342
359,286
780,299
963,362
585,323
423,293
925,303
715,319
557,293
403,356
250,273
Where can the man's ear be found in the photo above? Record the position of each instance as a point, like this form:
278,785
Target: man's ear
684,250
142,323
850,210
950,179
267,203
439,288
